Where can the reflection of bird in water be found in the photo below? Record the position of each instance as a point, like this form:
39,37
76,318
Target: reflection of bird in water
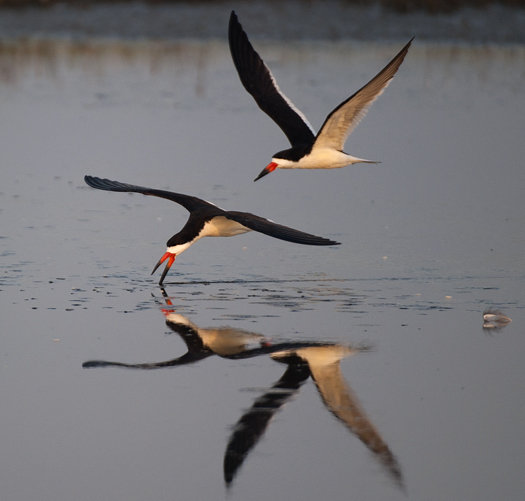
308,151
322,363
320,360
222,341
494,320
208,220
252,425
225,342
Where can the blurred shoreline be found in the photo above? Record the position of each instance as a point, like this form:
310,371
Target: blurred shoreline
293,20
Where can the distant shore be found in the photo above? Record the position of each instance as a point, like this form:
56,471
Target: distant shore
431,6
287,20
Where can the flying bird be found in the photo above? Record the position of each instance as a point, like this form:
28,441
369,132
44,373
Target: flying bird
308,151
208,220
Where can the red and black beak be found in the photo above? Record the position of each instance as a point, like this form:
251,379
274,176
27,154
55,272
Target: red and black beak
269,168
171,259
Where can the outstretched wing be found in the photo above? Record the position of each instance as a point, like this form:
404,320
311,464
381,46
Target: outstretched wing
260,83
188,202
252,425
257,223
186,359
344,405
343,119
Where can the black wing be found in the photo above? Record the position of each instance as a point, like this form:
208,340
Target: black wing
186,359
260,83
252,425
188,202
275,230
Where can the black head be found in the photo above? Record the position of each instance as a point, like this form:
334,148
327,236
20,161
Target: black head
294,154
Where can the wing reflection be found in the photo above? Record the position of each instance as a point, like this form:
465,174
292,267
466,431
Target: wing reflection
252,425
319,360
322,363
340,400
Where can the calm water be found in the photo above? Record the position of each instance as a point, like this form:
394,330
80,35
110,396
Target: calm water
424,404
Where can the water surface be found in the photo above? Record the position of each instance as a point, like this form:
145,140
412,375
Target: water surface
431,237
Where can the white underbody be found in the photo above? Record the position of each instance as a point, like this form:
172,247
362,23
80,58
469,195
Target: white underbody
217,227
320,158
320,355
223,341
227,341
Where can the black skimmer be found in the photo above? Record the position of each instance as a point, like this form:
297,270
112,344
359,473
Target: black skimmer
208,220
308,151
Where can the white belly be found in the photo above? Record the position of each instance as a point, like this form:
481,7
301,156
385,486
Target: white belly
217,227
321,158
222,227
325,158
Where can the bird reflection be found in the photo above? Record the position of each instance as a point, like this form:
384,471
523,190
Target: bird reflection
494,320
318,360
322,363
226,342
252,425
